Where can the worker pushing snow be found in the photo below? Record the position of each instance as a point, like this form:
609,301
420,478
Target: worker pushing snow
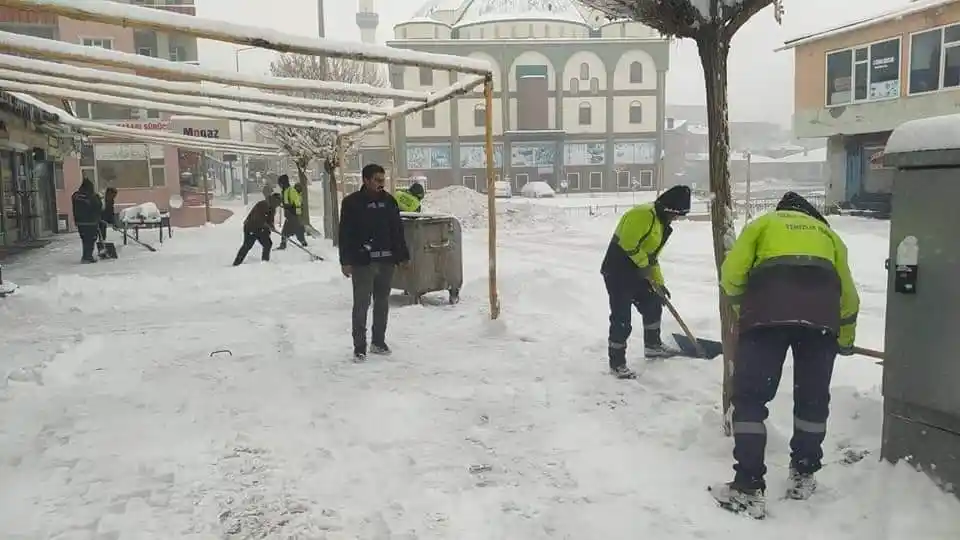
292,213
632,275
409,200
789,278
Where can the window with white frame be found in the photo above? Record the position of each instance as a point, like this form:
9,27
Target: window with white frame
480,116
426,76
865,73
623,179
636,112
934,60
574,86
636,73
596,180
102,43
428,119
573,181
584,71
646,179
470,182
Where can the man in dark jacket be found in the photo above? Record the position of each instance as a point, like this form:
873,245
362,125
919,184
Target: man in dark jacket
371,245
87,209
257,227
632,275
789,279
107,217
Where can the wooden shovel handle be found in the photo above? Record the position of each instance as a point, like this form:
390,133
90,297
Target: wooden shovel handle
869,352
676,316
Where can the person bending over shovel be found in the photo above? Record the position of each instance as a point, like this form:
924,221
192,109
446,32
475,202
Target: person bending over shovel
788,276
633,277
257,227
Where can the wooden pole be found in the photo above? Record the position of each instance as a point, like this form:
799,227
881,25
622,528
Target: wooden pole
491,198
392,183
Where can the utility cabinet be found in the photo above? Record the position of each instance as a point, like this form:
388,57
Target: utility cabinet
921,371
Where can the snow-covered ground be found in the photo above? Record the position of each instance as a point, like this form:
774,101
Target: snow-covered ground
120,419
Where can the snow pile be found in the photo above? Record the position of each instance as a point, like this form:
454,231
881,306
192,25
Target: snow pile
141,213
470,207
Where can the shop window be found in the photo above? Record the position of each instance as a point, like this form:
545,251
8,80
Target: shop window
865,73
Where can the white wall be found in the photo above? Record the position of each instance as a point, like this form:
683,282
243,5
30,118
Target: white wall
597,69
598,114
627,29
524,30
422,30
621,114
411,80
621,76
465,109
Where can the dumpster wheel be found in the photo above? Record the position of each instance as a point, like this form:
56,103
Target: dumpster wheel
454,296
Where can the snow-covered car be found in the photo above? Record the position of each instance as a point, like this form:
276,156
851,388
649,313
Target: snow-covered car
536,190
502,190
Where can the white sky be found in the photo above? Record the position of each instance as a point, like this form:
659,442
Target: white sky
761,81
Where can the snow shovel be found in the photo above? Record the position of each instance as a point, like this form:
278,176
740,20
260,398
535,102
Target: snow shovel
711,346
688,344
313,256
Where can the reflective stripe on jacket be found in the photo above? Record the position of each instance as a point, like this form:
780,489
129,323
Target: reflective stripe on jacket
788,267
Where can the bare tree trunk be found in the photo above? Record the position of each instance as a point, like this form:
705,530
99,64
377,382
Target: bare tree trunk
305,195
334,204
714,51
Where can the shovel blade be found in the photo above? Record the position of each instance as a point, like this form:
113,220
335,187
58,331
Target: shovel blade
711,349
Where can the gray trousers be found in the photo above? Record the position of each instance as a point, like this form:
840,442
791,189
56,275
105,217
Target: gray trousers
371,282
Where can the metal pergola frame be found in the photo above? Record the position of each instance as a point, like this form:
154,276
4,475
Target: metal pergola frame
125,15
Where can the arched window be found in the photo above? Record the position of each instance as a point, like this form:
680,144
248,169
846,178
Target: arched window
584,72
574,86
636,73
480,116
595,85
636,112
586,116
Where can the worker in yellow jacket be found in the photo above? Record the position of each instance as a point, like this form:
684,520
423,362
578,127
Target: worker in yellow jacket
632,275
789,278
409,199
292,213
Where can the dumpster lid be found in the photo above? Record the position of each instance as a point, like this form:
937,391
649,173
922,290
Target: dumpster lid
925,142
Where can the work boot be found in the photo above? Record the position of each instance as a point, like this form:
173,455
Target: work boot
740,500
623,372
801,485
380,349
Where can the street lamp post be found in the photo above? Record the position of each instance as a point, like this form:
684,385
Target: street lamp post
243,156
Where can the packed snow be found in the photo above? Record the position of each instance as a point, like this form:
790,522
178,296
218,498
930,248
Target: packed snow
935,133
167,395
471,209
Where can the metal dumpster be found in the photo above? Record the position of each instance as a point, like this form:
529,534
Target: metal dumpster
436,256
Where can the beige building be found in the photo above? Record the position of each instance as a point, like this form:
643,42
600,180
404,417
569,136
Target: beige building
855,83
578,100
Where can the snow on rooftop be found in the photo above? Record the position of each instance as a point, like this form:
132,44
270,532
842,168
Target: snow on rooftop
856,24
486,10
249,35
813,156
937,133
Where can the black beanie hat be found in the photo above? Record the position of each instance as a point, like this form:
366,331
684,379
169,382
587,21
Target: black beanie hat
675,200
796,202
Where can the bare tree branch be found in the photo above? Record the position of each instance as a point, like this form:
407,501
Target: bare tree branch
740,13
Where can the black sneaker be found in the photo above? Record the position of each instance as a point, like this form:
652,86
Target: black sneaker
359,357
380,349
750,502
623,372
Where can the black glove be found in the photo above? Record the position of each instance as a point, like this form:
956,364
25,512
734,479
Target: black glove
846,351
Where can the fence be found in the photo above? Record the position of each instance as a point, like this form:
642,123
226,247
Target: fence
699,207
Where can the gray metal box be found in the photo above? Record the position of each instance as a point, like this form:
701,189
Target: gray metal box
436,256
921,377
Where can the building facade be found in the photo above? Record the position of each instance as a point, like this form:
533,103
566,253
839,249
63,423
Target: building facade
578,102
854,84
141,173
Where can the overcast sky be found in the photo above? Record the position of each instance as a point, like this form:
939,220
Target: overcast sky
761,81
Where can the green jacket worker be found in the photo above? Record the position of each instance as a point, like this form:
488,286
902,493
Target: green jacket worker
409,199
789,279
